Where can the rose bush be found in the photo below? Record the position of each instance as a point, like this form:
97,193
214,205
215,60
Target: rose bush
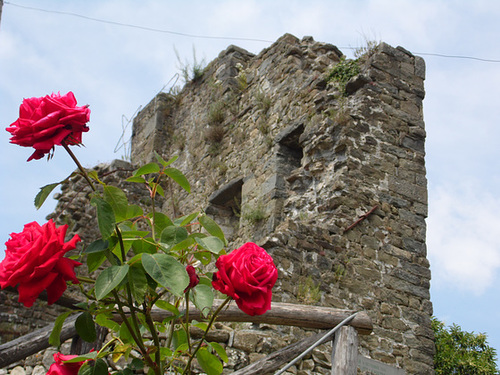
35,260
48,121
248,275
61,368
140,262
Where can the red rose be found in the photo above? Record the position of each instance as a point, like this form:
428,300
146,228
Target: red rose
34,259
61,368
248,275
48,121
194,279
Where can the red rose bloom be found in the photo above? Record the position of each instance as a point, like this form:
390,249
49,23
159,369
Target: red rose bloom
248,275
48,121
194,279
34,259
61,368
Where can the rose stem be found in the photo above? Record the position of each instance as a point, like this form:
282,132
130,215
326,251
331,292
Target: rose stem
84,172
212,320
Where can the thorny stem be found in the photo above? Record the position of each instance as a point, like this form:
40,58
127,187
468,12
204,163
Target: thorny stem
136,338
84,172
210,323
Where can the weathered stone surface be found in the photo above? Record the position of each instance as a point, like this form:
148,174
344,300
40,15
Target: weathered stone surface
297,164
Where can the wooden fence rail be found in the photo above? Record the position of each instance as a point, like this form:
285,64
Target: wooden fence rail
280,314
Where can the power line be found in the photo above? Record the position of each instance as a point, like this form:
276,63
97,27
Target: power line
137,26
215,37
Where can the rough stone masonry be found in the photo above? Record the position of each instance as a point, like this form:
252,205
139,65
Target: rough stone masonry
327,175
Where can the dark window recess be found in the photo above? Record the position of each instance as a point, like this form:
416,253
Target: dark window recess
290,151
225,207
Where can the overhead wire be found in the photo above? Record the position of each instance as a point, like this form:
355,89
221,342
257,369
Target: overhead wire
146,28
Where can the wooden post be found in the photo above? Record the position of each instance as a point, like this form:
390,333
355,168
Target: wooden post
345,352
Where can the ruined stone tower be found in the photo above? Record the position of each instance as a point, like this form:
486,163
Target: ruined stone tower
327,174
318,159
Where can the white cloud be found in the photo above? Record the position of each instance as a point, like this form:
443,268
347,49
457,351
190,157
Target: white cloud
462,237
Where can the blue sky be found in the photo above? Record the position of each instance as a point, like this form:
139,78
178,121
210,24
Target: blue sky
117,69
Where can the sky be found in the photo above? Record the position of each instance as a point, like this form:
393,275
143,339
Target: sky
118,69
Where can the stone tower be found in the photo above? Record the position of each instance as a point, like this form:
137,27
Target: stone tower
324,170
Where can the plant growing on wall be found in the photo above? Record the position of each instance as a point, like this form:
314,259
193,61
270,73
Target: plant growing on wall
342,72
143,261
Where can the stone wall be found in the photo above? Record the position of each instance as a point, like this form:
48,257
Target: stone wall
280,156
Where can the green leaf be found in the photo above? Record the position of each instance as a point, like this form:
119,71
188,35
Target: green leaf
82,357
164,305
99,367
138,282
163,162
85,327
209,362
186,219
211,227
203,298
55,336
109,279
143,246
96,246
220,351
136,179
147,169
160,190
182,245
173,235
105,216
125,334
178,177
161,221
212,244
104,321
117,200
133,211
94,261
166,271
44,193
205,257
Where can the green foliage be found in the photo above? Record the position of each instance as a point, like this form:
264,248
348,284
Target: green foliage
343,72
254,214
462,353
191,71
308,291
263,101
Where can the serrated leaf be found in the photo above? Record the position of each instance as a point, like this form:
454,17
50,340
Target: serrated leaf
178,177
173,234
99,367
85,327
147,169
44,193
109,279
117,200
55,336
209,362
166,271
96,246
211,243
163,162
182,245
212,227
105,216
205,257
203,298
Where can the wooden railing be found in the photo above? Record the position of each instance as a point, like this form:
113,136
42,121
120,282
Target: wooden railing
286,314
